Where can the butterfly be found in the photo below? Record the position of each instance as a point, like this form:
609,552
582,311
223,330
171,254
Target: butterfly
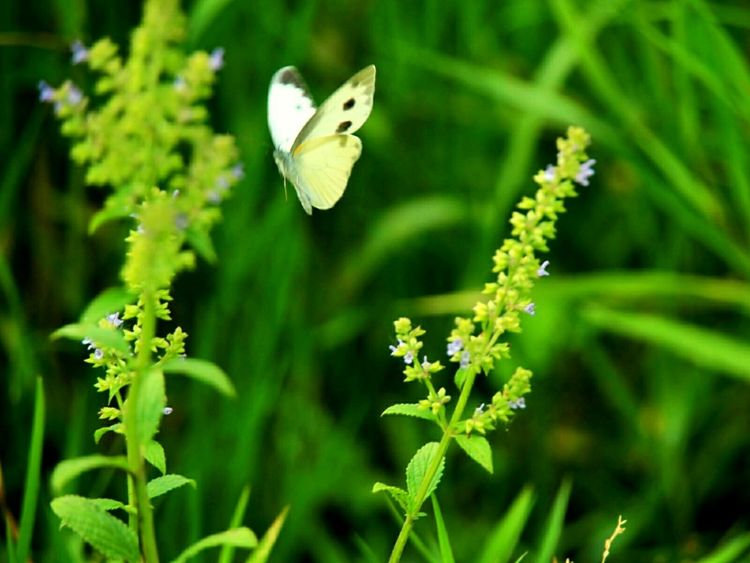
314,148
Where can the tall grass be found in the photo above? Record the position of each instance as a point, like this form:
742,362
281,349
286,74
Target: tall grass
640,342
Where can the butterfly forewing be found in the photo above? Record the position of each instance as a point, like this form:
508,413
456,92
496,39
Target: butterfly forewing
345,110
323,168
290,107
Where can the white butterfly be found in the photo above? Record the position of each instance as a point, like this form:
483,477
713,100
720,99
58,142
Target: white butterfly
315,149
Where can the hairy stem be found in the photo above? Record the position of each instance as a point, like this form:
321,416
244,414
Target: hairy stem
445,441
145,521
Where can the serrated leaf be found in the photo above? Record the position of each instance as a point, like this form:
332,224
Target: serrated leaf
105,337
236,537
107,534
154,454
161,485
261,553
398,494
477,448
409,409
203,371
416,472
108,504
117,427
149,406
69,469
107,302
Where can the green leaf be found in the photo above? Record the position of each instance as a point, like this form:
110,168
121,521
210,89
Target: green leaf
417,470
409,409
10,547
149,406
707,348
730,551
104,337
202,243
398,494
237,537
503,540
552,531
107,534
33,470
203,371
227,552
117,428
161,485
154,454
109,301
261,553
69,469
446,553
477,448
109,213
111,504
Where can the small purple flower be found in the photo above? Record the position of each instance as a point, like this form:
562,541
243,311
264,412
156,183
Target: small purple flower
74,95
222,183
80,52
542,271
479,410
114,319
549,173
465,359
455,346
98,354
426,365
216,60
181,221
394,349
167,411
585,172
238,171
530,309
179,84
409,357
519,403
87,342
46,92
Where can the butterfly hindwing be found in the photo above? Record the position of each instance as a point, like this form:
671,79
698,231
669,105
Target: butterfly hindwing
290,107
345,110
322,169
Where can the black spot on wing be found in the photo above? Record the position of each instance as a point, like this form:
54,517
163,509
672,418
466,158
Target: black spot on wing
343,126
349,104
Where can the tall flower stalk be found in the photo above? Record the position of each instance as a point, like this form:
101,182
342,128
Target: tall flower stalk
476,343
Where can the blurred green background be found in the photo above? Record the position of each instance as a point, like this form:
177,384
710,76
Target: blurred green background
640,342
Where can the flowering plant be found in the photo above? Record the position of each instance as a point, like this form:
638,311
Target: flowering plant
144,134
475,344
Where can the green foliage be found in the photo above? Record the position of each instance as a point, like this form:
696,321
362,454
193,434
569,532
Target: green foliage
104,532
474,344
296,311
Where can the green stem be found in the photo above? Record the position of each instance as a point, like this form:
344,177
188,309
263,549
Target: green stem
145,522
421,495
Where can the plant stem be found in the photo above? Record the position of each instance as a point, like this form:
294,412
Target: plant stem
145,522
419,498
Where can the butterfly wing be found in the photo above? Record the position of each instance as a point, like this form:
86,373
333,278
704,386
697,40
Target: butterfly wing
290,107
344,111
320,169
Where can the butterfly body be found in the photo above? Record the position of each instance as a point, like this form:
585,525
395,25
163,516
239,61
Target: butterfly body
314,148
